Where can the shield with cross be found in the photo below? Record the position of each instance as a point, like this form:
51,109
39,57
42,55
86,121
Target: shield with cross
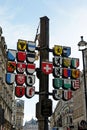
47,67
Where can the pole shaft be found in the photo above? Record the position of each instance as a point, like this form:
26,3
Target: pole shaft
44,79
85,91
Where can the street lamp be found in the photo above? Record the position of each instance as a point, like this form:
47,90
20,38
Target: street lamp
82,47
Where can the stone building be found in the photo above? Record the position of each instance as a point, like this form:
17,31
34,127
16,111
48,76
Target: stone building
62,115
11,110
6,91
19,114
31,125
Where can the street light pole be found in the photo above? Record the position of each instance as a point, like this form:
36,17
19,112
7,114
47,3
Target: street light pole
82,47
43,79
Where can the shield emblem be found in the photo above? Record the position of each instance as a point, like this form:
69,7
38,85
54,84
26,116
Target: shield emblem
67,95
20,79
21,67
21,56
30,80
11,66
57,61
10,78
57,72
67,62
29,92
30,57
31,46
57,50
75,73
30,68
21,45
75,84
66,72
57,94
67,84
11,55
57,83
47,67
19,91
66,51
75,62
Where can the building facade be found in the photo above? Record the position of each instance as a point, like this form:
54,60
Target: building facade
6,91
11,111
31,125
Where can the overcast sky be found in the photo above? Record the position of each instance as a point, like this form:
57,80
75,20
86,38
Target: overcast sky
19,19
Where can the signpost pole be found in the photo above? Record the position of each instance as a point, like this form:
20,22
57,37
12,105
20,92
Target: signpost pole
44,79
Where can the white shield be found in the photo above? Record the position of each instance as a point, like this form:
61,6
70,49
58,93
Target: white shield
30,91
57,60
31,46
30,79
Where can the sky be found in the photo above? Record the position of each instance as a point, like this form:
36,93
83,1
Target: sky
19,19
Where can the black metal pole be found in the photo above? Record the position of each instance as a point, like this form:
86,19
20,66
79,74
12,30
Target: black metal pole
84,75
44,79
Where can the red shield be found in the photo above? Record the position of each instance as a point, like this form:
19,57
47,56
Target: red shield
20,79
21,67
19,91
47,67
30,68
21,56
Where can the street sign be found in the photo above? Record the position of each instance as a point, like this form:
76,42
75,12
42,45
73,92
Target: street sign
47,67
46,107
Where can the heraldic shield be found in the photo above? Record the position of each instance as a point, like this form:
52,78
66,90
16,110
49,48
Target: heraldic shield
10,78
19,91
30,80
29,91
47,67
20,79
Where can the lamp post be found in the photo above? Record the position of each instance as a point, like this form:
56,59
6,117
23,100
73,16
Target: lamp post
83,47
